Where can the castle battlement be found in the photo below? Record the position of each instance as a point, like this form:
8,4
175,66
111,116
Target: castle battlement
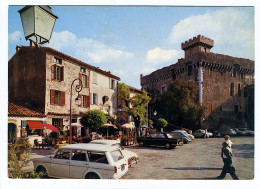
200,39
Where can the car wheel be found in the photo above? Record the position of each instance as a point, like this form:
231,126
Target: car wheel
92,176
167,146
40,169
141,143
185,142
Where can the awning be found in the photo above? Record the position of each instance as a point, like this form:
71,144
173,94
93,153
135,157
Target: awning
35,124
51,127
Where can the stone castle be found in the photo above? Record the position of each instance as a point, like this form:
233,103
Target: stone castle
224,83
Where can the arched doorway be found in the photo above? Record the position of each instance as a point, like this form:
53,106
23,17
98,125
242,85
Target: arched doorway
11,132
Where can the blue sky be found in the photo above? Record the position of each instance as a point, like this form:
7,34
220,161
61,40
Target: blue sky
134,40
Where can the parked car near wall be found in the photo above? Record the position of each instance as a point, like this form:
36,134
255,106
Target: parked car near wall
244,131
201,133
89,161
228,131
131,156
181,135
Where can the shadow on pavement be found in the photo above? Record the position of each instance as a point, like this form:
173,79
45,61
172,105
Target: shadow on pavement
195,168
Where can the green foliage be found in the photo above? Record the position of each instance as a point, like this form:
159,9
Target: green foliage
150,124
18,158
161,123
180,105
138,102
93,119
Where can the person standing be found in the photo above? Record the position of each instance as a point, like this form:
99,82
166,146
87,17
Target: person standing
226,155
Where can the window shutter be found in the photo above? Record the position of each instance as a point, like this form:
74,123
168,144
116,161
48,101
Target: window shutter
53,71
80,77
80,96
91,98
87,81
88,101
23,124
62,98
52,96
62,73
97,98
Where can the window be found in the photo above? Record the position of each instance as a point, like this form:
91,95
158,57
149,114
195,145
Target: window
191,52
238,89
174,76
58,123
117,155
97,157
85,80
209,106
85,101
163,89
189,70
57,70
95,99
83,70
57,60
231,89
221,74
78,155
62,154
57,97
234,72
112,84
205,49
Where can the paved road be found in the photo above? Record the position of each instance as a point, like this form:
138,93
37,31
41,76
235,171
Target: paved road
199,159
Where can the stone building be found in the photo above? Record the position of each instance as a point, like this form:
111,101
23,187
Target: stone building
42,77
222,82
122,116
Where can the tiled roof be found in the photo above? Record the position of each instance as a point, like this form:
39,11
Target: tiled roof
74,60
21,111
135,89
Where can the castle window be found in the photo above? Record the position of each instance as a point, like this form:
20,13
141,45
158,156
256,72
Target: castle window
190,70
173,76
231,89
205,50
163,89
234,72
239,89
209,106
191,52
221,74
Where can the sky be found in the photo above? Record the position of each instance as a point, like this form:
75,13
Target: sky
134,40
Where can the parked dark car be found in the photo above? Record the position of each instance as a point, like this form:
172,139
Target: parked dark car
160,139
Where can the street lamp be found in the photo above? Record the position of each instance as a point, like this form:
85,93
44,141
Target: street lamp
38,23
78,88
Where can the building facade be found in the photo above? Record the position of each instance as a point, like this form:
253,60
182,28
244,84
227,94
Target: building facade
47,79
222,82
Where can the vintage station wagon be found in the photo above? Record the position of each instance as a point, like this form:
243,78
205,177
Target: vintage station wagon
89,161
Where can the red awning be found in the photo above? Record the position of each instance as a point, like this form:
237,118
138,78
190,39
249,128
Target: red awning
35,124
51,127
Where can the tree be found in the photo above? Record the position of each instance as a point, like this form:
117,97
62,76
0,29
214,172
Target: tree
135,106
180,105
160,123
93,119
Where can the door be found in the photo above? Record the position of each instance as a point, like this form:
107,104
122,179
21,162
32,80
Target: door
78,164
60,164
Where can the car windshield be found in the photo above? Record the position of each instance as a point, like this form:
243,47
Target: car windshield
117,155
119,146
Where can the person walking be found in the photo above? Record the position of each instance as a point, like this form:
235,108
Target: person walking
226,155
228,141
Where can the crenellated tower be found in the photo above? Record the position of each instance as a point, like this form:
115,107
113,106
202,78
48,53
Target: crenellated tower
197,44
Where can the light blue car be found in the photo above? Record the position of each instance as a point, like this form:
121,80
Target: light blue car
180,134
